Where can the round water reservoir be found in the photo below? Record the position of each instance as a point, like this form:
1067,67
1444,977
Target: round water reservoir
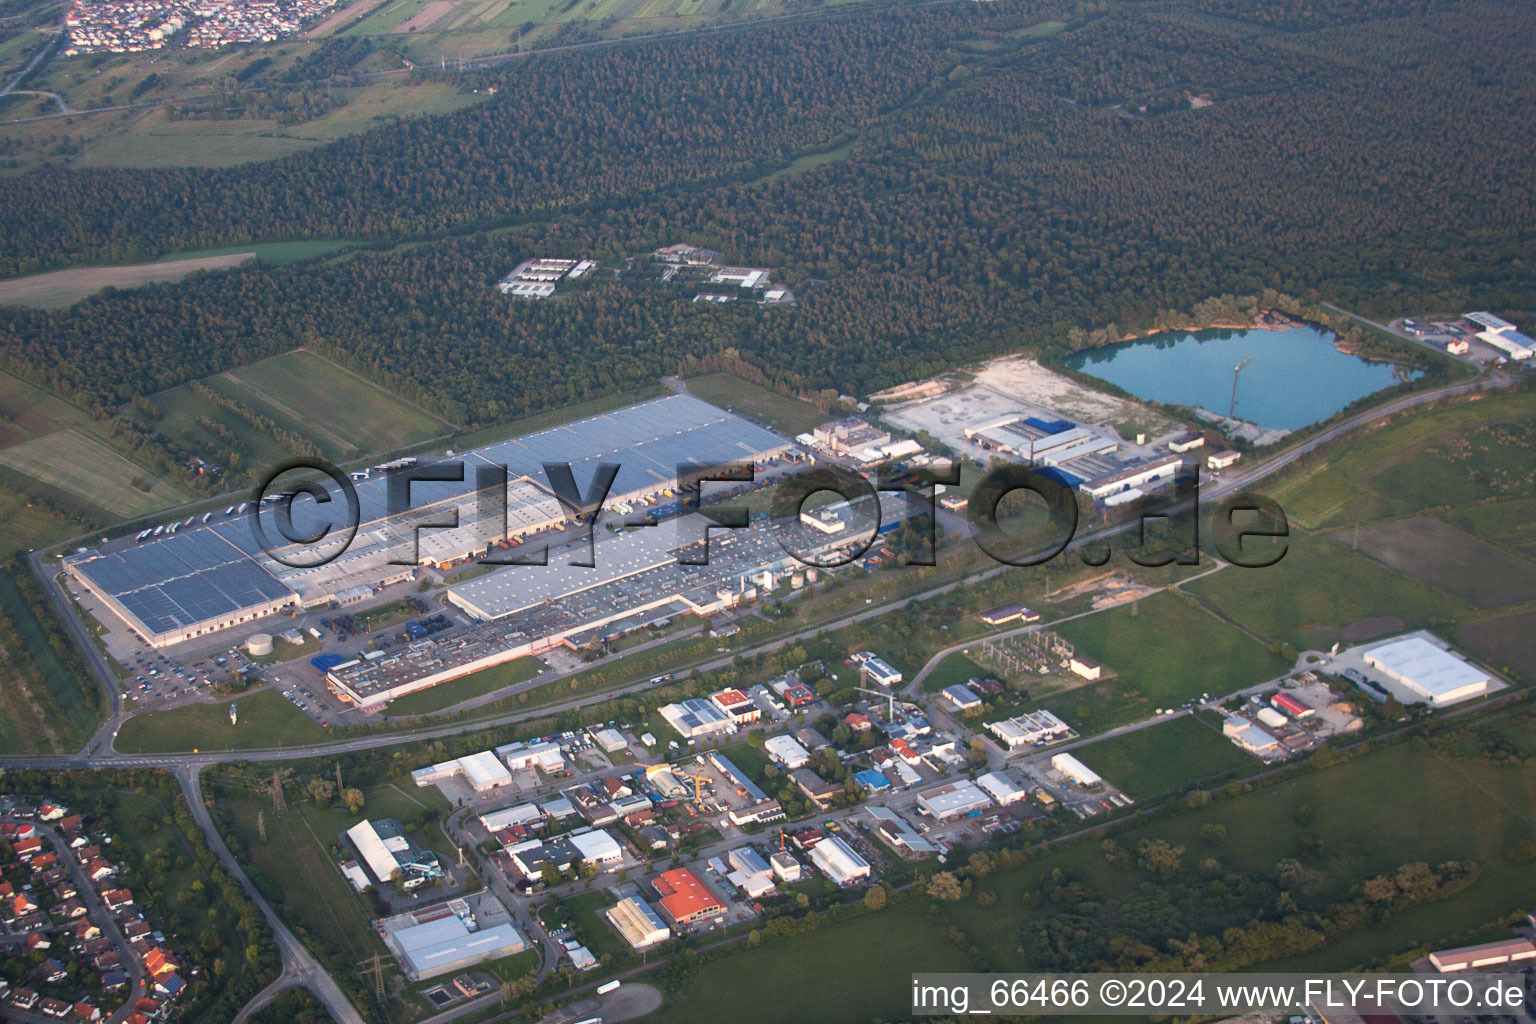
259,644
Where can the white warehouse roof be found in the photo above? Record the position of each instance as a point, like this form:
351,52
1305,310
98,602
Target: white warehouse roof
953,799
1075,770
839,860
484,770
1002,787
1435,674
597,847
787,751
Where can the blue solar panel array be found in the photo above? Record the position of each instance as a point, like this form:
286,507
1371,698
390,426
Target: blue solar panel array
209,572
648,441
181,580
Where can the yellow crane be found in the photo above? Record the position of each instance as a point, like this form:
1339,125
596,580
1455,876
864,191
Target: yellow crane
698,795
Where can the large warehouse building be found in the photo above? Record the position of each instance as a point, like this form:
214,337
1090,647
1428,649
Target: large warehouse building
1431,673
443,939
207,577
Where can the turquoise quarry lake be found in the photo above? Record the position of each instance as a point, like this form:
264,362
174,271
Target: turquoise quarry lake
1296,376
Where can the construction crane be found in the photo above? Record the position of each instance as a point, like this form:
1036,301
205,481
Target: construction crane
890,701
1232,409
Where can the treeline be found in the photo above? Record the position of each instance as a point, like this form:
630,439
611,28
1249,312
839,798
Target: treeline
296,444
1207,917
566,128
995,215
56,677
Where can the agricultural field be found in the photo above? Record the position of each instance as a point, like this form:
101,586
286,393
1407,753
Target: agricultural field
786,415
344,415
1452,457
1505,643
1171,757
336,404
450,29
156,141
1457,562
61,288
266,720
1322,592
80,465
1170,649
27,411
1509,524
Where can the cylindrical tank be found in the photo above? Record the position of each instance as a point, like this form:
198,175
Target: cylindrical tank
259,644
797,580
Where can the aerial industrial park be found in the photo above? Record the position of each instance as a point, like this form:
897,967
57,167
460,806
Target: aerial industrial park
693,510
706,809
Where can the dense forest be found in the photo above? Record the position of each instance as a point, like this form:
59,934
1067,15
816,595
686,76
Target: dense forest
992,189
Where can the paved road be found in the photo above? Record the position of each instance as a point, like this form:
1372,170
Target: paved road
37,58
299,967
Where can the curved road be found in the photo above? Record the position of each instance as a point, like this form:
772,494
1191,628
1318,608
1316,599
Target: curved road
299,966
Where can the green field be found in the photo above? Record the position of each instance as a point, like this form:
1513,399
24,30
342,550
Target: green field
1317,590
1510,523
748,758
786,415
345,416
266,719
1170,650
85,467
295,868
447,694
585,912
957,668
1368,815
153,140
850,972
1168,758
31,524
1455,456
333,405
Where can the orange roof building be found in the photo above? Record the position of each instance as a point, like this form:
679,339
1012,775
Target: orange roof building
684,896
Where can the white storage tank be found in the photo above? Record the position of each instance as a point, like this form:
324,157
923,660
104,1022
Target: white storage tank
259,644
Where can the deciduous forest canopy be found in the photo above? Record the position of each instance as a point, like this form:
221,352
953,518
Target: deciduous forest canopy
989,185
